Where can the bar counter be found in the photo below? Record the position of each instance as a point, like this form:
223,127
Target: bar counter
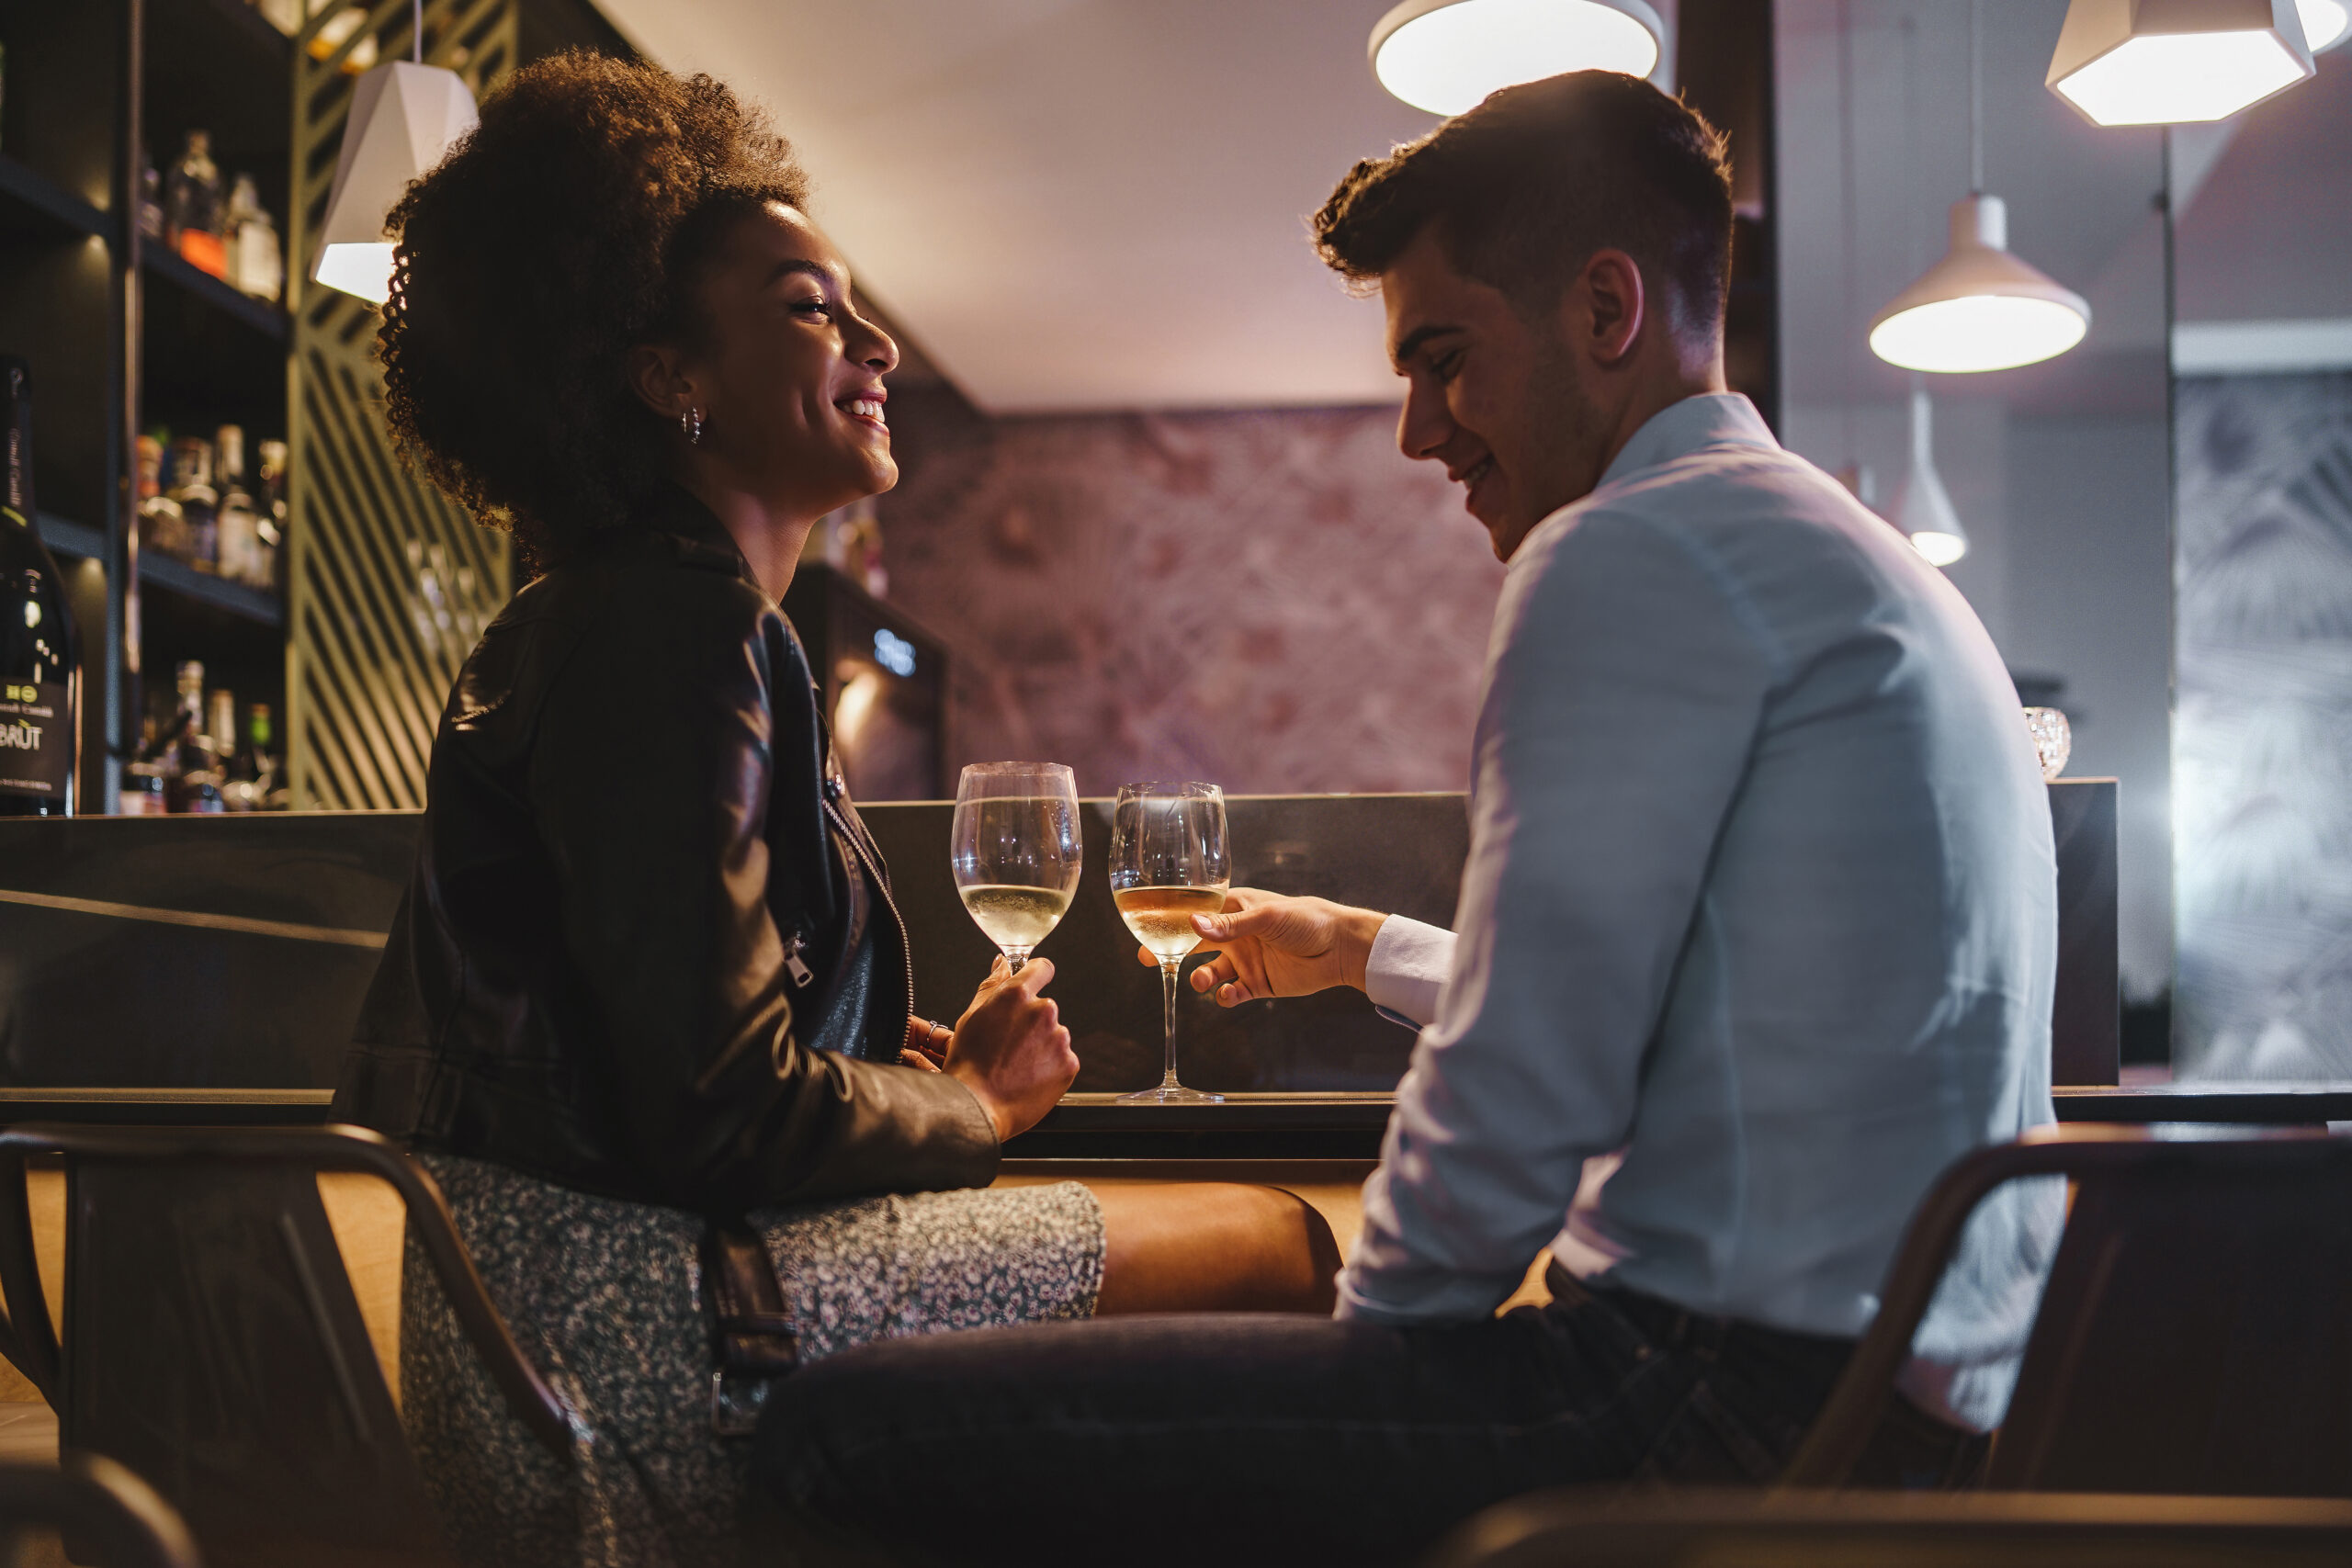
208,970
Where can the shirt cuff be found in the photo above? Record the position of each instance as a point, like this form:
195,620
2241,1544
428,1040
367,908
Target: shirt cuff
1407,967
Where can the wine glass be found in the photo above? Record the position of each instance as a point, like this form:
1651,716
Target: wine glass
2053,739
1015,847
1169,862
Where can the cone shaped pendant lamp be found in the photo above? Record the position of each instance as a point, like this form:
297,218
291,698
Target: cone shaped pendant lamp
1979,308
1446,55
1924,511
404,117
2179,61
2324,22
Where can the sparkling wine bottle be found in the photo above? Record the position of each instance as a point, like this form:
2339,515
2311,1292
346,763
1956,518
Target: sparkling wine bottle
39,681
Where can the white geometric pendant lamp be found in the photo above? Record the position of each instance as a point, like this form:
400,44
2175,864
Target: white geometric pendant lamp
1979,307
404,117
2177,61
1445,56
1923,512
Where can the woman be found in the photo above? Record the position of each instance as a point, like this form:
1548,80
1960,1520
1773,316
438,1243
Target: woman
648,977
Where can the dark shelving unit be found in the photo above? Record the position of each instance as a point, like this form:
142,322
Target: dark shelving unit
212,294
48,208
124,336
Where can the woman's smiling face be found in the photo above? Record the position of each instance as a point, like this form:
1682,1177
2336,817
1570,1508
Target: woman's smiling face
788,375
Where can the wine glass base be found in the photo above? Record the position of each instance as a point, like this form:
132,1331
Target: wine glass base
1169,1094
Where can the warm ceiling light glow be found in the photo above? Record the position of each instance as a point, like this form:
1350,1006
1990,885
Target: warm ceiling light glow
2181,79
1979,308
1941,549
404,117
361,267
2176,62
1924,511
2324,22
1446,55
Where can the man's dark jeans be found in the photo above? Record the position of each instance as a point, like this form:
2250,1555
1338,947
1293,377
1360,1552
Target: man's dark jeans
1222,1441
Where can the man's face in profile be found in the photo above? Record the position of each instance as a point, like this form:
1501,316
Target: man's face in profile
1491,392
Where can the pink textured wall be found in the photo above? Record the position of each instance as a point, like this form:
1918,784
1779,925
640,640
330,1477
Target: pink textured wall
1274,601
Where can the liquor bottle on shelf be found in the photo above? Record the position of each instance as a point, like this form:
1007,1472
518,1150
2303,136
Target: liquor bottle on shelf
220,726
192,207
191,765
272,522
237,524
152,221
256,265
199,502
269,768
39,674
141,792
253,782
162,527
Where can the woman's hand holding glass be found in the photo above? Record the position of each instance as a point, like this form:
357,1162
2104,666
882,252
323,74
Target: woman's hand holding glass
1010,1050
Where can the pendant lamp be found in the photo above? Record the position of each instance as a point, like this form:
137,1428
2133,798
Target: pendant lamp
2176,62
1979,307
404,117
1446,55
1923,512
2324,23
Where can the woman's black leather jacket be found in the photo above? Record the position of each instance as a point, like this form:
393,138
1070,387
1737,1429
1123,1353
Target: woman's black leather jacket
648,948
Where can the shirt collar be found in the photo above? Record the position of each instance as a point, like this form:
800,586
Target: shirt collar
1679,429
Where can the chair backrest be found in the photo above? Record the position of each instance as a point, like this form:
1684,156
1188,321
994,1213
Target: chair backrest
1588,1528
212,1341
2196,1333
110,1518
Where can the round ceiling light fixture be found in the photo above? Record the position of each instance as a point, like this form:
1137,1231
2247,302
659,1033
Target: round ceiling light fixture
2178,62
1979,308
1445,56
2324,22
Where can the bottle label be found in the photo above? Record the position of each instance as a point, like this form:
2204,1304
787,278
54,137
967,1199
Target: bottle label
36,740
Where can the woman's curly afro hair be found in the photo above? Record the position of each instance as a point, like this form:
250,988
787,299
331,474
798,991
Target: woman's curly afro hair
563,232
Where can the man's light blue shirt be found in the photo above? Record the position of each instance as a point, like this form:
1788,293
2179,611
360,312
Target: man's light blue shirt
1760,891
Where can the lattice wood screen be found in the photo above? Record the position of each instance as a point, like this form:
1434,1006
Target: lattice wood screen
390,582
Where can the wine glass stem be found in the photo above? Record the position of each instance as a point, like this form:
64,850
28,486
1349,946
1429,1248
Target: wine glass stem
1168,974
1015,957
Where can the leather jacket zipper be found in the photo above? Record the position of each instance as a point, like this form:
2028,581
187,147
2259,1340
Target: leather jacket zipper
794,965
881,886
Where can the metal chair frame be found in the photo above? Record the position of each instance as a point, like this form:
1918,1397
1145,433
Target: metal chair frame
29,1339
1843,1429
106,1510
1653,1529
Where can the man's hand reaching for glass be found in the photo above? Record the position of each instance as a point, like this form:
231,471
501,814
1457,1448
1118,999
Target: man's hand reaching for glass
1270,946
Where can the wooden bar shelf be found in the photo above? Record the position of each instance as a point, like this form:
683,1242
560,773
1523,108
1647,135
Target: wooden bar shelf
28,193
177,576
257,605
262,317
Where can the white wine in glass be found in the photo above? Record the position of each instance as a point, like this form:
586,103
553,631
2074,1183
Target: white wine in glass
1169,862
1015,851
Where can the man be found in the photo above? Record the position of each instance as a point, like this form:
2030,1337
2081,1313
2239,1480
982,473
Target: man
1760,891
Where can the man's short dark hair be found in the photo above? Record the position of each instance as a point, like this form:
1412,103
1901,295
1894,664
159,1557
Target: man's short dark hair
1522,189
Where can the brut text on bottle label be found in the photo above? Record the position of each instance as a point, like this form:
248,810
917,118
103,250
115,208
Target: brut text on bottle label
34,756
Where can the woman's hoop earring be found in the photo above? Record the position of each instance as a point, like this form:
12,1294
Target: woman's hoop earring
690,422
